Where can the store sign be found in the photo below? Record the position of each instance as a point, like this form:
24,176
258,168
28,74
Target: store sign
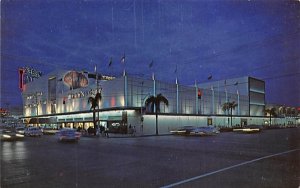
26,75
83,93
32,72
21,79
107,77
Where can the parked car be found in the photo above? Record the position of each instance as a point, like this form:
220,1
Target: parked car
49,131
10,135
33,131
249,129
196,131
183,130
205,131
68,134
20,130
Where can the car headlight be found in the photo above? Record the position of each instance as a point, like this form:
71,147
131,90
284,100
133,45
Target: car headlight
19,135
6,136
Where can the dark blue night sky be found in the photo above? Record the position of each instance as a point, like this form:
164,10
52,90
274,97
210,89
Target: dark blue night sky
225,39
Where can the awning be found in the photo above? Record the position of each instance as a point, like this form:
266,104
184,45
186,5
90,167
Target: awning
42,120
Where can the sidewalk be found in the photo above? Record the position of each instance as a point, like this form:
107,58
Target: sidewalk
117,135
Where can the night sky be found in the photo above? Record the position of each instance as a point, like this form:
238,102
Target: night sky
225,39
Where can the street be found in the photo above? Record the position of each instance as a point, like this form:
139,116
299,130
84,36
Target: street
267,159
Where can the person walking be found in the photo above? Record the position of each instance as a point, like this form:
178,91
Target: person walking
106,132
133,131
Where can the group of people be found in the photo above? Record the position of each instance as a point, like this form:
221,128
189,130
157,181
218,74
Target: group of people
104,131
91,131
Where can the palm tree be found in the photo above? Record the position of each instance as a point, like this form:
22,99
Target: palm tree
155,101
94,104
271,112
229,106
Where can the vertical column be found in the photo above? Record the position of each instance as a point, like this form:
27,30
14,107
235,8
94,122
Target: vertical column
125,91
226,98
197,97
238,104
154,90
213,99
177,97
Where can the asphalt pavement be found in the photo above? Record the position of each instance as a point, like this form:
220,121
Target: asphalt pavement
267,159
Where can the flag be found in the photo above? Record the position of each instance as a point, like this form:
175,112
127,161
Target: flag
236,83
110,62
123,58
210,77
151,64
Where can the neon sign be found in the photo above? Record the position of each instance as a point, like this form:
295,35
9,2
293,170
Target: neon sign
21,79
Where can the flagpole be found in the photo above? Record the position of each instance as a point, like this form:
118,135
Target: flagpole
154,89
125,81
213,99
125,90
197,99
123,61
177,96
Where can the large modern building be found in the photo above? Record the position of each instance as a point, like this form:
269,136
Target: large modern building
61,98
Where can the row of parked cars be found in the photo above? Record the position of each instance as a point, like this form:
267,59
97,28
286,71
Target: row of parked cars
18,133
196,131
210,130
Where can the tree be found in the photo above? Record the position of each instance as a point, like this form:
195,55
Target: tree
94,104
229,106
271,112
155,101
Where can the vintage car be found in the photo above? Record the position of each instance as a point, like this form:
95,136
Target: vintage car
68,134
10,135
205,131
33,131
183,130
20,130
196,131
248,129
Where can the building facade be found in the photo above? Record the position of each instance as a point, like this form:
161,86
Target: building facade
61,98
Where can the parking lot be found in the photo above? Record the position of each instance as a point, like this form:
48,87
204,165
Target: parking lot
267,159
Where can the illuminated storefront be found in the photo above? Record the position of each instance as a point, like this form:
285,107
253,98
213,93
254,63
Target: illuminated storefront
62,97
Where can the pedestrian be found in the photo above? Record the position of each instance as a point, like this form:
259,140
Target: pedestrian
130,129
106,132
133,131
102,130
